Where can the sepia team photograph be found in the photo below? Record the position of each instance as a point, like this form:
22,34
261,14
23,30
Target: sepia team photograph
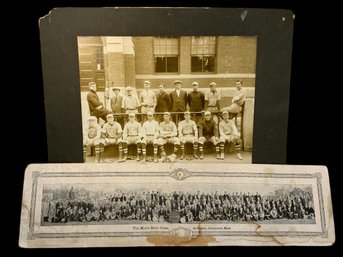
167,99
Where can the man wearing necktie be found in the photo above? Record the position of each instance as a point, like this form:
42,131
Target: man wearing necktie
178,99
163,103
116,104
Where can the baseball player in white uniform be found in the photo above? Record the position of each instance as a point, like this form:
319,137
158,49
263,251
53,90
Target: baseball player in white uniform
150,132
132,134
229,133
147,99
188,133
92,137
112,134
168,134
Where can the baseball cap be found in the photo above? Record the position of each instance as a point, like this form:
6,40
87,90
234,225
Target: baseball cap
213,84
195,83
177,81
150,113
128,88
207,113
132,114
166,113
187,113
109,115
92,118
225,113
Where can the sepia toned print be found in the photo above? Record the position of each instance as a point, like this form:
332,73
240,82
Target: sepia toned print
167,99
175,204
137,203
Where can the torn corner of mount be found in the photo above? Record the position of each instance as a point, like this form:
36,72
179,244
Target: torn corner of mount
46,16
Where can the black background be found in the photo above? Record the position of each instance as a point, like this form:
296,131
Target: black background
58,36
314,132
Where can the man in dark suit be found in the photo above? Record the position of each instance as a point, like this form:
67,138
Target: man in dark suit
196,102
178,99
116,104
163,103
96,108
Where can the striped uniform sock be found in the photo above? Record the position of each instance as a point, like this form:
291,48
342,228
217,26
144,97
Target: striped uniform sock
125,148
238,147
222,148
144,149
97,149
84,150
176,148
101,148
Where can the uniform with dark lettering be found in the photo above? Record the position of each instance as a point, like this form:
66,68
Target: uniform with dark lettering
188,133
229,133
112,134
168,134
132,134
150,132
92,137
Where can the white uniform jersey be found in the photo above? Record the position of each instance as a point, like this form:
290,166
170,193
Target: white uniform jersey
227,128
150,128
112,131
188,128
168,128
132,129
93,132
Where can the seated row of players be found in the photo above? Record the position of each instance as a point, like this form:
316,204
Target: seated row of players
160,134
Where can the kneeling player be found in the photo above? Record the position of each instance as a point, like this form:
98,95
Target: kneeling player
228,133
112,134
208,132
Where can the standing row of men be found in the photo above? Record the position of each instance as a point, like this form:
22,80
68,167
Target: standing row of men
175,102
159,134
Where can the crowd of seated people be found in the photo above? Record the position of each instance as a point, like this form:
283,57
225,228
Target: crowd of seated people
158,206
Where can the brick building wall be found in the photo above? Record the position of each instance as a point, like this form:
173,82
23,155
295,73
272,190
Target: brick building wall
236,55
144,55
185,55
235,59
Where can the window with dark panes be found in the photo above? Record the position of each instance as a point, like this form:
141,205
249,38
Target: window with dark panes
166,54
99,58
203,52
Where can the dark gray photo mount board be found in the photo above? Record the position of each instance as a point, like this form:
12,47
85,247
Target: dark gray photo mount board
61,27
